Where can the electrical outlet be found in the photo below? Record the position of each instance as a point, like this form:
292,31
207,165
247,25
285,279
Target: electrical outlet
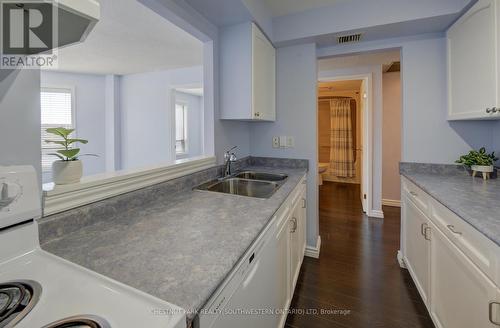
290,142
276,142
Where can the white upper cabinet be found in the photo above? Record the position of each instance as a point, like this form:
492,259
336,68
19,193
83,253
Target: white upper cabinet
473,58
248,74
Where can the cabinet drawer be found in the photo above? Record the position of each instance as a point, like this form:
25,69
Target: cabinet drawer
415,194
479,249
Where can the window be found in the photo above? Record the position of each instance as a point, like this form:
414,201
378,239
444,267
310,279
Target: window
180,128
57,111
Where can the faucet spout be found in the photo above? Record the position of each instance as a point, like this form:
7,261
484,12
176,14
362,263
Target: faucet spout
229,157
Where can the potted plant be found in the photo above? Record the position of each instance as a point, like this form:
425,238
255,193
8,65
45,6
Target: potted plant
479,161
68,169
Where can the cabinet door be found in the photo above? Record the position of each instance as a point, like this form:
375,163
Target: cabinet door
294,245
472,63
303,224
416,246
264,77
460,292
283,267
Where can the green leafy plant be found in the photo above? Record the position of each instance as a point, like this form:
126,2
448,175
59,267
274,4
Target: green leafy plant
67,153
480,157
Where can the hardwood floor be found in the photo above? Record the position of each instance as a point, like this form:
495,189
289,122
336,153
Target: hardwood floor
357,273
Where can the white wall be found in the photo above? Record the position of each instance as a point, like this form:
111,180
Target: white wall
194,121
391,136
20,142
90,104
146,114
376,72
296,116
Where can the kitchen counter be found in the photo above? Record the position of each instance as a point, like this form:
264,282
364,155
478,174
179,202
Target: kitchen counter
474,200
178,248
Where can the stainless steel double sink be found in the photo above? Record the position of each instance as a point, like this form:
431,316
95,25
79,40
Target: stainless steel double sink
246,183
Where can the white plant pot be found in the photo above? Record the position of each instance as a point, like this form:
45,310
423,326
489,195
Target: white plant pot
67,172
485,170
482,168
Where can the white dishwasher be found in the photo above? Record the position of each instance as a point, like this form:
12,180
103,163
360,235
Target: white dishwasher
251,296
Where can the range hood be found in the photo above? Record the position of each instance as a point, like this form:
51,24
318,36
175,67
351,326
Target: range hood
77,18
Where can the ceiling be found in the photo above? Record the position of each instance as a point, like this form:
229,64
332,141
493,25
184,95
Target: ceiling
287,7
131,38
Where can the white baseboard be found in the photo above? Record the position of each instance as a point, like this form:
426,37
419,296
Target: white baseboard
391,202
400,260
313,251
376,214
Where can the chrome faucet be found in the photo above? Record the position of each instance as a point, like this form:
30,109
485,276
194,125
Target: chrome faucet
229,157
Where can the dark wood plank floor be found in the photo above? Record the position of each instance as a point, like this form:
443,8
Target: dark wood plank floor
357,273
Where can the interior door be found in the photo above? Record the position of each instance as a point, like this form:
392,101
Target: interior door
364,162
461,294
417,247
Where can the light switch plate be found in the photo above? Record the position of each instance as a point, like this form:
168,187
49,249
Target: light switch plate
283,141
290,142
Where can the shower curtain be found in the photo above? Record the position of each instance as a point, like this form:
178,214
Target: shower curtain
342,143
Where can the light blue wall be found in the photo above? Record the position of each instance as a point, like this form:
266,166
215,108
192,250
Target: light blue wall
296,116
90,103
20,142
427,136
496,139
146,113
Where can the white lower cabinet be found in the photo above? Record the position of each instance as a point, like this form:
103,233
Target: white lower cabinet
259,291
460,292
417,246
456,291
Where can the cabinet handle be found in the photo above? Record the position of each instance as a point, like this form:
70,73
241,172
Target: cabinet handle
425,233
257,114
303,203
294,228
414,194
422,228
452,229
490,312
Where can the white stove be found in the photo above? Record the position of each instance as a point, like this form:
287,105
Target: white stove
41,290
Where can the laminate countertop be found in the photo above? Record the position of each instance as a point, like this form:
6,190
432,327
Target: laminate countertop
178,248
475,200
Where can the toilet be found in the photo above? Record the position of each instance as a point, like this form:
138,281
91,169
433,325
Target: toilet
322,168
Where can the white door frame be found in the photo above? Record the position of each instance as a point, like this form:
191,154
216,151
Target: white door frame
367,167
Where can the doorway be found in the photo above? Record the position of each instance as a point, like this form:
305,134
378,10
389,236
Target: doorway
344,130
378,147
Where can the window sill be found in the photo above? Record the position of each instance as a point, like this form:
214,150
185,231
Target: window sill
98,187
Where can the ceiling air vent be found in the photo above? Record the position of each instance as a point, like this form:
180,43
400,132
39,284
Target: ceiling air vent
349,38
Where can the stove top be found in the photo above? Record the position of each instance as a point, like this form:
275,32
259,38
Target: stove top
83,321
17,299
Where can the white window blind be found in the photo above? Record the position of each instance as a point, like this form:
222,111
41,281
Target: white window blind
180,128
57,111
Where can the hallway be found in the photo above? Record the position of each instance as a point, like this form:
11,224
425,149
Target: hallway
357,271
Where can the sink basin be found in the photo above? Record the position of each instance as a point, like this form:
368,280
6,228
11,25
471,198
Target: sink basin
261,176
242,187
